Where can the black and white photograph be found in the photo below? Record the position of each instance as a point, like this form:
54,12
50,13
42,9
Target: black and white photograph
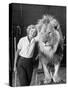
37,44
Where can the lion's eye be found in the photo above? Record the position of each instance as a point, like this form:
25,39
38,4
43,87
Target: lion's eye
49,33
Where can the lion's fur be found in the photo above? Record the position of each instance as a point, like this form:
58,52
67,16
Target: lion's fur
50,44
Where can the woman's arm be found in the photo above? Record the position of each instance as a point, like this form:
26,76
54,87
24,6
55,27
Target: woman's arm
31,47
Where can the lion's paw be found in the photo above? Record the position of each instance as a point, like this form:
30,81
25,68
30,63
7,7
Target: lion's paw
47,80
56,78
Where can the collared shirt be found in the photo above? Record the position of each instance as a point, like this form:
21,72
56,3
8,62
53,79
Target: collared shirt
26,47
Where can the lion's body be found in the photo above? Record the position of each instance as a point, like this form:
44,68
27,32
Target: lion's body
50,48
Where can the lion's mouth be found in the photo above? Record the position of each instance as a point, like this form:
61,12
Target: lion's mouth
48,41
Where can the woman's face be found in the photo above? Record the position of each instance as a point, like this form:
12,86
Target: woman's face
32,33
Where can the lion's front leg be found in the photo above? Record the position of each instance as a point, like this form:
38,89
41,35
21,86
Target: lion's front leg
56,77
46,73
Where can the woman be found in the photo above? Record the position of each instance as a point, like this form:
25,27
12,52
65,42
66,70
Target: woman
24,55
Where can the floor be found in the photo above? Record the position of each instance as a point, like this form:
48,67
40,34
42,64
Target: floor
40,77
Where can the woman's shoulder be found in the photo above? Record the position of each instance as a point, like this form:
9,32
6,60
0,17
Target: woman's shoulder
23,38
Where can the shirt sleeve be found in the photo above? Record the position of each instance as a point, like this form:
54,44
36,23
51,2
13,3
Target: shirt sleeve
19,45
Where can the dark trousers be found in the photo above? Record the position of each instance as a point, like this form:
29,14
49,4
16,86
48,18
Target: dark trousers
25,70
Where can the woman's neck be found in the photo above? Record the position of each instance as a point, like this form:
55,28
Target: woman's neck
29,39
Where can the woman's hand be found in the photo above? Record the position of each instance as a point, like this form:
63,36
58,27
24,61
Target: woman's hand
15,60
15,68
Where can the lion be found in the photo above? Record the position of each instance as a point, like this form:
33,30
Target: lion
50,47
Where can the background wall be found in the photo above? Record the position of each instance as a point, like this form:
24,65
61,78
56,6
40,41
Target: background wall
24,14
